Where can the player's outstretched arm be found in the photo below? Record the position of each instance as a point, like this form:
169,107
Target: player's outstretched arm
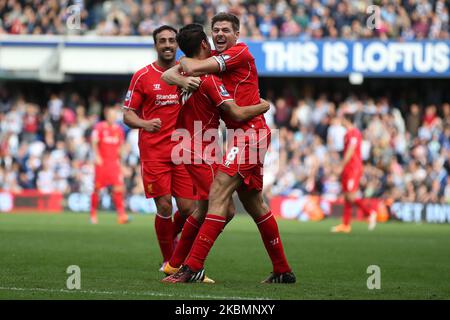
173,76
194,67
244,113
131,119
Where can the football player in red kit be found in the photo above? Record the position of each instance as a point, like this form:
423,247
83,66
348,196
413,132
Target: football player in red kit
200,116
240,171
152,106
107,141
351,173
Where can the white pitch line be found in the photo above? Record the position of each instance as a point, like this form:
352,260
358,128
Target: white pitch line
142,294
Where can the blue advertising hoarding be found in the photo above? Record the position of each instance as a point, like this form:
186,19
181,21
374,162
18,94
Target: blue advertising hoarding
428,59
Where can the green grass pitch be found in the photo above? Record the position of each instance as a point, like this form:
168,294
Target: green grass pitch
122,261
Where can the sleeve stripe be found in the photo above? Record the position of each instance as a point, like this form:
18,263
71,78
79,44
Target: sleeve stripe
221,102
134,86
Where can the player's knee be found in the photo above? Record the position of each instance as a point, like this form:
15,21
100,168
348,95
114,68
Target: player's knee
254,203
349,197
164,207
187,208
199,215
219,190
231,212
118,189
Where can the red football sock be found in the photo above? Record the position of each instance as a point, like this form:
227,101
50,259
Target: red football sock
347,215
178,222
208,233
268,228
117,197
164,232
184,245
367,209
94,204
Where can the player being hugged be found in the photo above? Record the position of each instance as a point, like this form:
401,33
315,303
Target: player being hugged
242,167
152,106
107,141
199,116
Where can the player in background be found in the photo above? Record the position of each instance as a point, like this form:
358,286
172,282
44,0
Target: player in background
152,106
202,107
107,141
237,68
351,172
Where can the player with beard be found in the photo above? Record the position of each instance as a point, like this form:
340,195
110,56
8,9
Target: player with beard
152,106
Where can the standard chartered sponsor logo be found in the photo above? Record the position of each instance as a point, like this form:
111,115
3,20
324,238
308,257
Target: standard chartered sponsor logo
166,96
165,99
165,102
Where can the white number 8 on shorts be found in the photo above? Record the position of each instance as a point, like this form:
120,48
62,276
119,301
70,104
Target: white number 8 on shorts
231,155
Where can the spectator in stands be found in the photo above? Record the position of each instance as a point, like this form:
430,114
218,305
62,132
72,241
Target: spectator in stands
413,19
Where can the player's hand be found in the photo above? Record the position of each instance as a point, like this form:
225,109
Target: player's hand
98,160
266,105
191,83
152,125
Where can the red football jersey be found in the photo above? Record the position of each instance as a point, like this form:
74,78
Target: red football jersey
152,98
202,106
110,139
353,137
239,74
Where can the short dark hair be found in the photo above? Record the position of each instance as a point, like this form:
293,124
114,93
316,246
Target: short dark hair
190,38
161,29
224,16
350,116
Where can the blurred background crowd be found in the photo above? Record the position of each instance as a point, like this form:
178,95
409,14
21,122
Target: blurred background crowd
46,146
267,19
406,154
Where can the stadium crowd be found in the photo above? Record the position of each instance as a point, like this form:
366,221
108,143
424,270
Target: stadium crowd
268,19
406,154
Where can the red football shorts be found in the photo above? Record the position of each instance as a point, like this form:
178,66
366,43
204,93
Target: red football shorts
350,179
202,177
163,178
108,176
245,157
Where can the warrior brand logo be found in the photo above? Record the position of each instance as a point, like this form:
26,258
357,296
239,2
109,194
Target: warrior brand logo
203,238
157,86
225,57
275,241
